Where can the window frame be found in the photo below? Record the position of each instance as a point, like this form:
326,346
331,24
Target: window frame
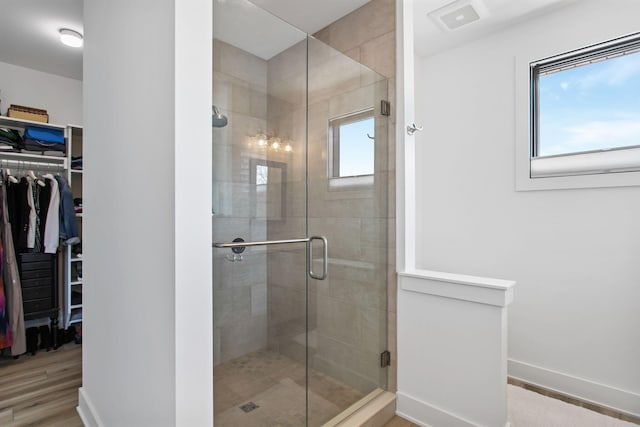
333,149
586,169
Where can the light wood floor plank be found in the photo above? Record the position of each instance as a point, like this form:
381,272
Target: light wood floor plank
34,391
6,417
44,409
41,390
68,418
396,421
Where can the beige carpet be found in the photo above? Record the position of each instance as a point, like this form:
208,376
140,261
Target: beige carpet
529,409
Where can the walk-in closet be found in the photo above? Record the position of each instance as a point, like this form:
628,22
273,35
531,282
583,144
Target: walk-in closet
41,216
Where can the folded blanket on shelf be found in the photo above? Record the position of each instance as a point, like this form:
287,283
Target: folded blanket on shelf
10,137
44,135
37,145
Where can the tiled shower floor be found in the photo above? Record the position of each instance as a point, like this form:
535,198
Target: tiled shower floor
276,384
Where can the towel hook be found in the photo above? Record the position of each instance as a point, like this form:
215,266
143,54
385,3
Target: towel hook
412,128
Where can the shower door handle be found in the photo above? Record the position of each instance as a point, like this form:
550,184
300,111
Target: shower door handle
232,245
325,258
308,240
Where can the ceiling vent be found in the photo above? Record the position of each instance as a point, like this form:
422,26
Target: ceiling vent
458,14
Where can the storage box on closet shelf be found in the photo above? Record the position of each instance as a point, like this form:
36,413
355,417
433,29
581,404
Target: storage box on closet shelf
28,113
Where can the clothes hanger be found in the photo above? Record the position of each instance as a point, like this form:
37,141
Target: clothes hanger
36,179
10,177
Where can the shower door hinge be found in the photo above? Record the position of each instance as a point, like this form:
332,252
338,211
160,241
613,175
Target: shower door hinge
385,108
385,359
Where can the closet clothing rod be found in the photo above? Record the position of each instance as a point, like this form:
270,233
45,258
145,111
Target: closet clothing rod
28,165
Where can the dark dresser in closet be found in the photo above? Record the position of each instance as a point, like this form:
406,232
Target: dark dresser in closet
39,278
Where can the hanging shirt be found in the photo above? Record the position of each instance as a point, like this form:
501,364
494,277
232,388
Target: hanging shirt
31,231
52,226
44,198
35,191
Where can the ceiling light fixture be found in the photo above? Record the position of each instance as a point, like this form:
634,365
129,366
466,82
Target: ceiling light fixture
70,37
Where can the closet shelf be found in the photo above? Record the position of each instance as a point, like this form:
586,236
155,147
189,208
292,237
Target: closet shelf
73,307
76,259
79,215
21,123
71,322
77,282
76,170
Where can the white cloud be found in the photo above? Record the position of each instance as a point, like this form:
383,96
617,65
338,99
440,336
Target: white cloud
594,135
616,72
564,86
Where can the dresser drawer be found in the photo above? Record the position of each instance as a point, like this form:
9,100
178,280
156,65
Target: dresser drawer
37,305
34,293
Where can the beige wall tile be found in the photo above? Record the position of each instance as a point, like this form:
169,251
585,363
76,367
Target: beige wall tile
379,54
392,289
358,99
241,337
324,35
392,331
240,64
354,54
371,20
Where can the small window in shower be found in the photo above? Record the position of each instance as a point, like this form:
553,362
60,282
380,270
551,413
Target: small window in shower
352,148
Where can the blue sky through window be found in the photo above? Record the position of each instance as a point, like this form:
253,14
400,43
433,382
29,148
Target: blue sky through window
357,151
591,107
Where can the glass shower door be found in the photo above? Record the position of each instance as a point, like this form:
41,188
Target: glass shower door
347,185
259,195
289,349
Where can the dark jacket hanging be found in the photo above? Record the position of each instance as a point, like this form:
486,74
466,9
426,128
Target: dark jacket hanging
19,213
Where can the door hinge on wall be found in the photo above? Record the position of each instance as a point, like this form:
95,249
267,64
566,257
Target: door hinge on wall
385,108
385,359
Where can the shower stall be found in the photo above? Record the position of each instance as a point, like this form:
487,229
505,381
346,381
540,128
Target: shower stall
300,224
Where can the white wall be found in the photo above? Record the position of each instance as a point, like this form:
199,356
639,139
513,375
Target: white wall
575,254
148,351
60,96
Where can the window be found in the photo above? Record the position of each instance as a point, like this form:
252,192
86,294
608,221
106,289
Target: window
585,111
352,148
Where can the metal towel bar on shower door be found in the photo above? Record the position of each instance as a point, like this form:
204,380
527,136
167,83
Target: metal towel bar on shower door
308,240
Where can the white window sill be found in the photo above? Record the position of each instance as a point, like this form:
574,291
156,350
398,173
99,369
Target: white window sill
351,182
589,163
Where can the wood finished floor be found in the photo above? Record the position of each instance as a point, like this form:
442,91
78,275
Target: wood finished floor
396,421
41,390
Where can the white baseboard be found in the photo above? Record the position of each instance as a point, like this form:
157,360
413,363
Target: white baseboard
600,394
427,415
87,411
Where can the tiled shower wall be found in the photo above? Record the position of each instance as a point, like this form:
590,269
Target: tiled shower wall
368,35
240,292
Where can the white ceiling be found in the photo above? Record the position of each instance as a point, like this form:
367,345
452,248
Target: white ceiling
29,35
431,38
29,28
310,15
252,29
268,27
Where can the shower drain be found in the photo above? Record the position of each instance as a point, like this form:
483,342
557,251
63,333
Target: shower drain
248,407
